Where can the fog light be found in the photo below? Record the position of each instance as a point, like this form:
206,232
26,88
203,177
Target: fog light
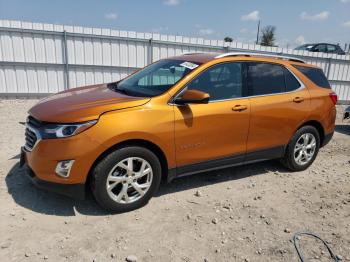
63,168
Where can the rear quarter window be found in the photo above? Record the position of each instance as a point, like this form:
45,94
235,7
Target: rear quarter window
316,75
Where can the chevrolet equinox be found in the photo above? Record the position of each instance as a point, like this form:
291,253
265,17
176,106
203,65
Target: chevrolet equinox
175,117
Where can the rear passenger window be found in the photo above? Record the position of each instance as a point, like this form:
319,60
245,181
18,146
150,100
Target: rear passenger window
291,82
316,75
331,48
264,78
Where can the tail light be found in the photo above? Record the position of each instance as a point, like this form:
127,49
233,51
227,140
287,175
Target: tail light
333,96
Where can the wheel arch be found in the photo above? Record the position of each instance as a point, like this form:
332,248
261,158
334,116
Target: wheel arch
316,124
134,142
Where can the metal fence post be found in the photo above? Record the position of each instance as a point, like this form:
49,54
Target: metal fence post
329,67
65,60
150,51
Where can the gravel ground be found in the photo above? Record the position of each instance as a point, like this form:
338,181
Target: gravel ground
246,213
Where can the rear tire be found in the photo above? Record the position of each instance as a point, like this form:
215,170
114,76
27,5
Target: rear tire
126,179
302,149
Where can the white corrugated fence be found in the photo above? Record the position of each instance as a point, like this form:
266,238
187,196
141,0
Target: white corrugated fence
38,58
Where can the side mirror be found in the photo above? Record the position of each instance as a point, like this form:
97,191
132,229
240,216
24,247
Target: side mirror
192,97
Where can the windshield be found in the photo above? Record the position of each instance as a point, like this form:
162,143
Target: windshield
154,79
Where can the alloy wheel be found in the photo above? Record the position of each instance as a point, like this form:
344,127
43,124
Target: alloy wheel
304,149
129,180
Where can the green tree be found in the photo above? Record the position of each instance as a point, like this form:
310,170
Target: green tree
268,36
228,39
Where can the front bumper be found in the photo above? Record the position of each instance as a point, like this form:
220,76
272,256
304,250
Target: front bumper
41,160
76,191
47,153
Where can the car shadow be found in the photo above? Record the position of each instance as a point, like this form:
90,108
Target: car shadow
40,201
203,179
343,129
25,194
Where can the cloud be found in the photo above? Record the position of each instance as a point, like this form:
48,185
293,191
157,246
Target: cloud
206,31
321,16
253,16
171,2
284,42
300,40
345,1
346,24
111,16
243,30
245,40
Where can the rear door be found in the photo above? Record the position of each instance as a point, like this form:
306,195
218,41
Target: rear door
279,104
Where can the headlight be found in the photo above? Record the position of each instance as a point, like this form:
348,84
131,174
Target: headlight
65,130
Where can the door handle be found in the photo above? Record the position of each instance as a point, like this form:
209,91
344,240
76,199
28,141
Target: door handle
298,99
239,108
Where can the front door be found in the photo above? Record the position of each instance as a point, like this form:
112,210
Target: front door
215,133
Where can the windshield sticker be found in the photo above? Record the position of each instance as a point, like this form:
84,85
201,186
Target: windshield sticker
189,65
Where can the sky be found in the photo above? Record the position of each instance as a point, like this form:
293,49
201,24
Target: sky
297,22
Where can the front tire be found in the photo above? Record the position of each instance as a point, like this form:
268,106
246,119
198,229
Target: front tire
126,179
302,149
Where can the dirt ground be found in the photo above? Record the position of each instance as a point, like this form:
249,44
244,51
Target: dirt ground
246,213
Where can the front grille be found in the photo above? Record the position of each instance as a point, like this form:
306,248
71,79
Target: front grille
31,135
30,138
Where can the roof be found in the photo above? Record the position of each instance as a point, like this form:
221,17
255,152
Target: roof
320,43
196,57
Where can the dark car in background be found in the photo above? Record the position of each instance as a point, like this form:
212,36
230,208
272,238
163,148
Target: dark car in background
347,113
323,48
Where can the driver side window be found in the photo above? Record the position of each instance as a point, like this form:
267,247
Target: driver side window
222,81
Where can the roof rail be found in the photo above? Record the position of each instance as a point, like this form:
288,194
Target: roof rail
192,53
289,58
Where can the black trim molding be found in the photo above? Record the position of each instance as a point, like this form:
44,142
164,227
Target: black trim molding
235,160
265,154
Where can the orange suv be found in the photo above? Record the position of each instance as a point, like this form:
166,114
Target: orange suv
177,116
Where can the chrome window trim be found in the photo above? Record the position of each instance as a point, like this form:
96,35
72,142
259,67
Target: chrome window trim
37,134
302,86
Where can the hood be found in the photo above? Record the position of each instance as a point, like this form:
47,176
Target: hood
82,104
